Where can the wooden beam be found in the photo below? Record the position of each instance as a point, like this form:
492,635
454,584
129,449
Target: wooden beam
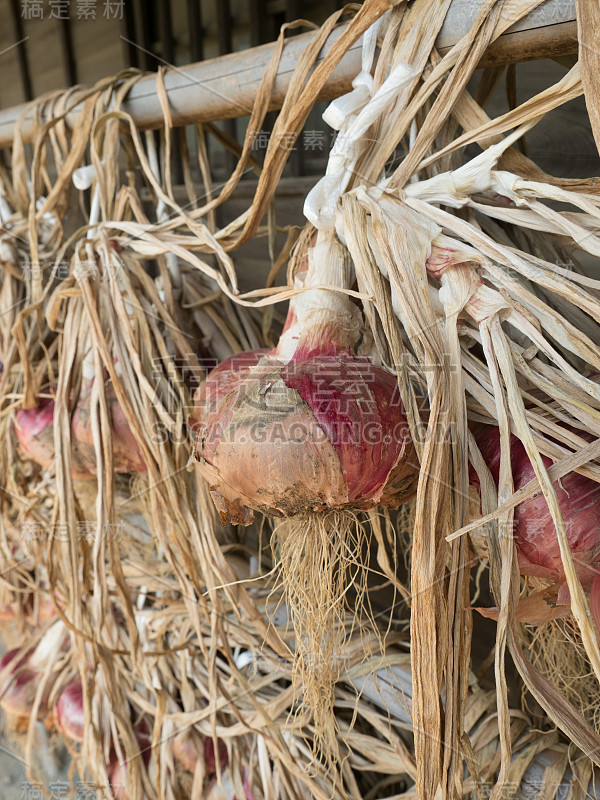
224,88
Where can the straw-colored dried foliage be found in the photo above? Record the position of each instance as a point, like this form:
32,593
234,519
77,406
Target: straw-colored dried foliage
179,627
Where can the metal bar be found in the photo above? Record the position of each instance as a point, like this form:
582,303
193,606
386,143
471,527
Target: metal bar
224,87
21,49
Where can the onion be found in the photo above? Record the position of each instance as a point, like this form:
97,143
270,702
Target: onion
186,752
535,536
118,772
70,717
225,790
313,432
126,453
314,425
35,433
44,612
22,672
538,551
20,684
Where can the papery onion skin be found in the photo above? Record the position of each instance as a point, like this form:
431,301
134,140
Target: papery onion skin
535,536
323,431
70,717
224,378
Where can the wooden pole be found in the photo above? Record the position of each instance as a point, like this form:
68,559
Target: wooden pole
224,87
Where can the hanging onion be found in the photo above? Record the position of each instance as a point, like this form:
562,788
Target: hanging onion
70,717
535,536
313,432
315,425
538,550
126,453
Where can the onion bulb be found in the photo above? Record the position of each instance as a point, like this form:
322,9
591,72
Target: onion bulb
126,453
312,425
538,550
186,752
70,717
312,432
34,429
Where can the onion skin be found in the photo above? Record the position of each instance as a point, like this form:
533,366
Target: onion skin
70,717
537,544
225,377
325,432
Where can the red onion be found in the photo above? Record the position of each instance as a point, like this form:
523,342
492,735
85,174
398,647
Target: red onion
535,536
23,670
20,684
70,717
185,751
126,453
314,431
118,772
35,432
315,424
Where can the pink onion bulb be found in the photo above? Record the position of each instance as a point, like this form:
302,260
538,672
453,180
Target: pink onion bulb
70,717
535,536
325,432
127,456
19,686
314,424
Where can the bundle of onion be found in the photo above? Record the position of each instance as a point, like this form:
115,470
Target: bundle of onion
538,549
313,432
